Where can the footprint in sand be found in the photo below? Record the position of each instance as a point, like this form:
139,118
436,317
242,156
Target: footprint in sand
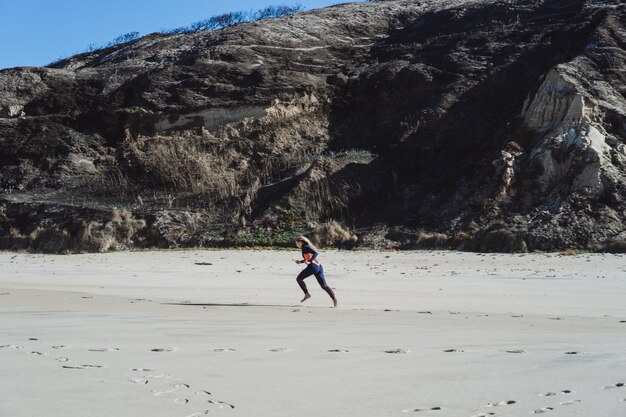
59,347
453,350
202,395
397,351
215,403
618,385
141,370
62,359
501,403
484,415
552,394
542,410
163,349
18,348
221,404
417,410
82,366
515,351
225,350
146,378
569,402
199,413
174,388
281,349
103,350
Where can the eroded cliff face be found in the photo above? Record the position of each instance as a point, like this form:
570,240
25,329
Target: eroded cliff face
484,125
561,184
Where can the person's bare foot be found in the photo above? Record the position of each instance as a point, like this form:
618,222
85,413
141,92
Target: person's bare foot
306,297
334,302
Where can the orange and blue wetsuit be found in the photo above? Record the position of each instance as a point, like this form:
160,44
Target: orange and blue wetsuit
313,268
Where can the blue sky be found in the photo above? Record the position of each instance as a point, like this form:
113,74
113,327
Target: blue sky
38,32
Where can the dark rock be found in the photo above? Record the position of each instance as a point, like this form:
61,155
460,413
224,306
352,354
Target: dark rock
500,240
613,247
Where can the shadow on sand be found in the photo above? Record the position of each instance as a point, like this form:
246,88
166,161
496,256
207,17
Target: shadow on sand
231,305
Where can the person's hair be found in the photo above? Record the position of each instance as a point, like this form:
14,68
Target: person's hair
306,240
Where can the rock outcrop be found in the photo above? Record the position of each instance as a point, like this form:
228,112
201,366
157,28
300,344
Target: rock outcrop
475,124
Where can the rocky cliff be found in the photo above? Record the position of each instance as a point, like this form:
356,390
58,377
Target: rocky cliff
476,124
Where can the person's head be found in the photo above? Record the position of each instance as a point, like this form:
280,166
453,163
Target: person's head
302,240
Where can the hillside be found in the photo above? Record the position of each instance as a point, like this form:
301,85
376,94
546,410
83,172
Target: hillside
474,124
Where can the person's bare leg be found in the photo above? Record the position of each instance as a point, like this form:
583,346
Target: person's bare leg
306,297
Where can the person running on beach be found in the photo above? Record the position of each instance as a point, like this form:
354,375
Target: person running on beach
309,253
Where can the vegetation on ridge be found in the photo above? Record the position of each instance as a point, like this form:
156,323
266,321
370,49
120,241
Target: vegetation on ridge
212,23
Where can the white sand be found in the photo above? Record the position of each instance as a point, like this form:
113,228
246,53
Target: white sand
78,335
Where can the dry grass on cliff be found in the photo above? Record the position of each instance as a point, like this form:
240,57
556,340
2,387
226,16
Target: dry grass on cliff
334,234
117,233
186,165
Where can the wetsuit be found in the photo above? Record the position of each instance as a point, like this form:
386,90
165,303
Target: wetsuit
313,268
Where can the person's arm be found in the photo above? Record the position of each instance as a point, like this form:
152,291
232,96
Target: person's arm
314,253
301,261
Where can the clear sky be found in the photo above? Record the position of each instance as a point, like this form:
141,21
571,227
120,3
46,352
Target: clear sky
38,32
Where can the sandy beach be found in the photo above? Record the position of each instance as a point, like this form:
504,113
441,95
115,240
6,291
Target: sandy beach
191,333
